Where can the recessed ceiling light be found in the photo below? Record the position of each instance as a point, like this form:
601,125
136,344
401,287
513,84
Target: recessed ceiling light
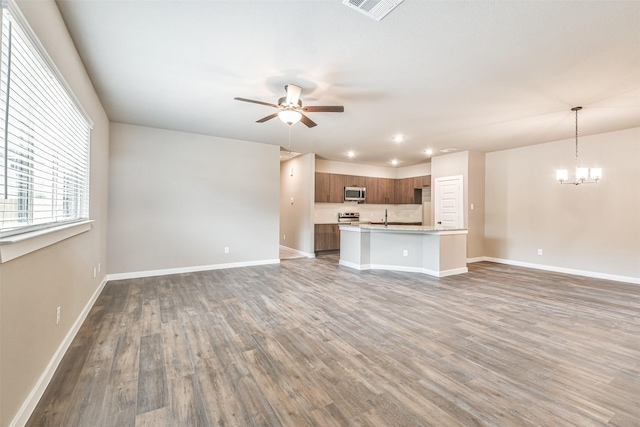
394,162
429,151
398,138
351,154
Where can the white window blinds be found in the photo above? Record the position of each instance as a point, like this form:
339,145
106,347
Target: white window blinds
44,139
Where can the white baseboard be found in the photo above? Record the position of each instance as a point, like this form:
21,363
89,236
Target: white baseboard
193,269
477,259
405,269
304,254
593,274
38,390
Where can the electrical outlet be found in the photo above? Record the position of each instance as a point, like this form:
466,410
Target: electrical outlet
539,251
95,272
226,249
58,315
284,237
405,253
99,267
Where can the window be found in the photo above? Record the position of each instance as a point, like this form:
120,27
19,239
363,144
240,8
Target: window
44,137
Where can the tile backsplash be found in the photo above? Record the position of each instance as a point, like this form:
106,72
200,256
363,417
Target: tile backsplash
327,213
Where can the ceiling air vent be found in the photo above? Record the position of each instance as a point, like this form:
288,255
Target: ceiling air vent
376,9
287,154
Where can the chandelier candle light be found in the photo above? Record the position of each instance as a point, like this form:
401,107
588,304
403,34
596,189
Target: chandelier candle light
583,175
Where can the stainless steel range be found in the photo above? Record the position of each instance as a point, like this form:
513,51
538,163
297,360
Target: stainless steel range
348,217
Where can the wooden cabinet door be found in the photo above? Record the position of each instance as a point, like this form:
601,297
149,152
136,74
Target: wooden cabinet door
337,184
404,193
355,181
373,190
387,191
326,237
422,181
322,187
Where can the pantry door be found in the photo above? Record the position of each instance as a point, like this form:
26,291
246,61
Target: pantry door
449,211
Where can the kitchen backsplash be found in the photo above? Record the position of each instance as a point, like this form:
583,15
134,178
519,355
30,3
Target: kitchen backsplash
327,213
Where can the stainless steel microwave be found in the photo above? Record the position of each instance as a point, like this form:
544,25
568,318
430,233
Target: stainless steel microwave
355,194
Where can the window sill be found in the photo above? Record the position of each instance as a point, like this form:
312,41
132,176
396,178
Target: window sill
12,247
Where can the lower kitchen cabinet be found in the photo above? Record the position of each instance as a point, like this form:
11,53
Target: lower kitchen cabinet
326,237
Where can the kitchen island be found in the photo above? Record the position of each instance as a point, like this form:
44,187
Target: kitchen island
438,252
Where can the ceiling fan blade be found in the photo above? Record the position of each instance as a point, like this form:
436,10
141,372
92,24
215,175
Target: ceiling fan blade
264,119
293,94
325,109
256,102
307,121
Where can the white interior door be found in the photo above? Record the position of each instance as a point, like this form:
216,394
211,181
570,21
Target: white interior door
449,211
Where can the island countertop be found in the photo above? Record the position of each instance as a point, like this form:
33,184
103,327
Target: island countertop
409,228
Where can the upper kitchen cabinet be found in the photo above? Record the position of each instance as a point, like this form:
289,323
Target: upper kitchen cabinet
380,191
355,181
323,187
409,190
336,190
330,187
404,191
422,181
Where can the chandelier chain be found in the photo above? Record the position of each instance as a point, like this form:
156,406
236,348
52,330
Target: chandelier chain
576,138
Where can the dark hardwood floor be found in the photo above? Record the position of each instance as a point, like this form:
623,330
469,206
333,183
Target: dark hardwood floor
309,343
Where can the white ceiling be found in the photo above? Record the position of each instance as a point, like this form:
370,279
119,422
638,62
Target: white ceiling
479,75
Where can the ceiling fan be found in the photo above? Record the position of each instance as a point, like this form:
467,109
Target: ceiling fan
291,108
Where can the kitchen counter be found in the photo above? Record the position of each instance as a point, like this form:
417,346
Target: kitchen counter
436,251
410,227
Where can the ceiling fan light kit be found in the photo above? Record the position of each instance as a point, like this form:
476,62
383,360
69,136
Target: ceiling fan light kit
583,175
290,117
291,108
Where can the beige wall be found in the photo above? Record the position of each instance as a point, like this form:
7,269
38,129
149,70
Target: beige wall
591,228
178,199
347,168
471,165
32,286
476,199
296,220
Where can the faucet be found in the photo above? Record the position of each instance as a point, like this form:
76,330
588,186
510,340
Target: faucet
385,217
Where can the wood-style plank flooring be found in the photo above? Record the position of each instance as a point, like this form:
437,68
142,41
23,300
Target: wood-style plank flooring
309,343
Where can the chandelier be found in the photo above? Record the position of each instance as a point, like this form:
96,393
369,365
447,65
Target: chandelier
583,175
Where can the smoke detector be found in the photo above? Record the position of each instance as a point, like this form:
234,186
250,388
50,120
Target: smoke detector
376,9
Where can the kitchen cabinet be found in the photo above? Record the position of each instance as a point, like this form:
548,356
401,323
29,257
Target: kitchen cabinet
422,181
336,188
326,237
380,191
329,187
409,190
323,187
404,191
